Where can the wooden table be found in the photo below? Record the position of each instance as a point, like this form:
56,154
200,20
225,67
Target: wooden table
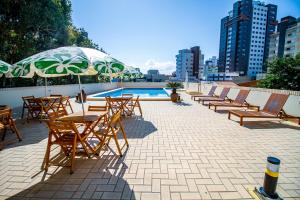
89,119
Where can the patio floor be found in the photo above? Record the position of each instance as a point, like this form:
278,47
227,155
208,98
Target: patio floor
177,151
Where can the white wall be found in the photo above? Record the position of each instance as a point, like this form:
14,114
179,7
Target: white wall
13,96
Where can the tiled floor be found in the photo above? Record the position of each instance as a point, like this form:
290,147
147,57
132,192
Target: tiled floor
177,151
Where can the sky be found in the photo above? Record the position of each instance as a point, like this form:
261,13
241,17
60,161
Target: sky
148,33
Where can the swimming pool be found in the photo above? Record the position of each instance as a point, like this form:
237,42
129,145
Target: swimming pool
143,93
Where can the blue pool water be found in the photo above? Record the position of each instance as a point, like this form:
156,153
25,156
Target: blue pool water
142,92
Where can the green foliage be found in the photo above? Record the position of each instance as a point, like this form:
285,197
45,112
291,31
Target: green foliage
30,26
175,85
283,73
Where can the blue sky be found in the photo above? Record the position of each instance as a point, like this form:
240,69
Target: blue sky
149,33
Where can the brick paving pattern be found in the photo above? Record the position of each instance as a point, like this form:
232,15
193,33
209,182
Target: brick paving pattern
177,151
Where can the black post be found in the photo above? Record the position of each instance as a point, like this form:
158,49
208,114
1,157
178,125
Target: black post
271,178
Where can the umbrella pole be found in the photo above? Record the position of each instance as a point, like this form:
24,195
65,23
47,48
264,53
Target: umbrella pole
82,105
46,86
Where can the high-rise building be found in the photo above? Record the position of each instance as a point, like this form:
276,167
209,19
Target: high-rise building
188,62
278,39
245,35
273,46
292,41
283,25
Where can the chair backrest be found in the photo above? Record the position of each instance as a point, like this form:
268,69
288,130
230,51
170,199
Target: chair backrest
224,93
275,103
60,127
55,115
292,106
97,108
5,115
241,97
115,119
212,90
56,95
25,100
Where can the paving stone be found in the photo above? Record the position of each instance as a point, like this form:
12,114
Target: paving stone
177,151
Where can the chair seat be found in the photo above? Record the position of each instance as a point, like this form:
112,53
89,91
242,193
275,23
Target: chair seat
65,138
242,113
232,104
211,99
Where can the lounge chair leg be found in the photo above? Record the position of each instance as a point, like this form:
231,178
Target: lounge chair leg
215,108
241,121
229,115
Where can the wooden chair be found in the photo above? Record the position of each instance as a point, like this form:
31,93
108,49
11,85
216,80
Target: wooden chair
98,108
240,101
110,130
7,122
134,103
35,108
114,104
65,135
55,115
25,104
222,97
272,109
210,93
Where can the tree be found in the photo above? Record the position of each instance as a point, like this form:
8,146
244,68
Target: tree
28,27
283,73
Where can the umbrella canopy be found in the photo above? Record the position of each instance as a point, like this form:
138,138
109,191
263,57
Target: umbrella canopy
4,67
64,61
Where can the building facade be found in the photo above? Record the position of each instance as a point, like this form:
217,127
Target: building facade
284,42
245,36
292,41
188,63
282,27
273,47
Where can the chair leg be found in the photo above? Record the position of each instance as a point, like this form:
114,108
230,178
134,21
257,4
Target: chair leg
23,109
45,164
73,154
140,108
4,133
14,128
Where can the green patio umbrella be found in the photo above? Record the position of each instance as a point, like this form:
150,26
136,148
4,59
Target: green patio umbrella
64,61
4,67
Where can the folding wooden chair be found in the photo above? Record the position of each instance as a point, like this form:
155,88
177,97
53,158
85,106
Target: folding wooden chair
114,104
272,109
7,122
65,135
25,104
35,108
110,130
134,103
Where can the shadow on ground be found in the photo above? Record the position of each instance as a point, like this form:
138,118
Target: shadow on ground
269,125
31,133
183,104
137,127
94,178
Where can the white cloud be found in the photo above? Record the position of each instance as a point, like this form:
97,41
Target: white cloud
164,67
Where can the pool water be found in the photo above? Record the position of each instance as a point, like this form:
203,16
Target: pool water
142,92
